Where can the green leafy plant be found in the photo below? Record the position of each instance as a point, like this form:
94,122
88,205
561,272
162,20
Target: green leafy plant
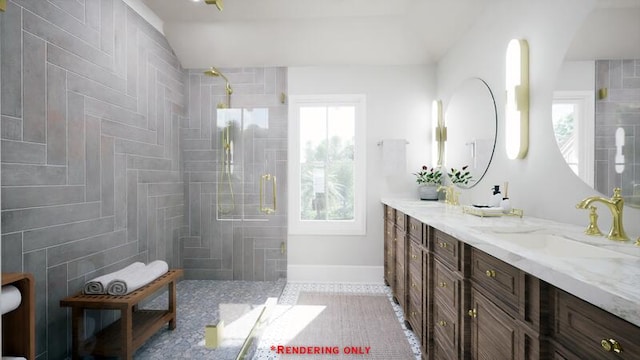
462,176
428,176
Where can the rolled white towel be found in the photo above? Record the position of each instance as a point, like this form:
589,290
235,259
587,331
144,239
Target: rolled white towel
132,281
10,298
13,358
99,285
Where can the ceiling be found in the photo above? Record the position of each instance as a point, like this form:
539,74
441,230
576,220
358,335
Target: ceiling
320,33
311,32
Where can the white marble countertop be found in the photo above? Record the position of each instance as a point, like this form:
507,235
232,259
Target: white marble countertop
608,277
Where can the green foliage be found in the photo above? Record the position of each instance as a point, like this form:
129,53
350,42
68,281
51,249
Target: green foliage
333,161
461,176
428,176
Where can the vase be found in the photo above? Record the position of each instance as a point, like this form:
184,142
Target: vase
428,191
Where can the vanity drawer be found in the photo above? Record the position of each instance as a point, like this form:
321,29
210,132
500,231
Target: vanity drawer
591,332
501,279
445,328
400,220
415,258
447,249
446,287
415,229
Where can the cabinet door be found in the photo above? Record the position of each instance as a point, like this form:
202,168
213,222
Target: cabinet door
401,268
494,334
389,254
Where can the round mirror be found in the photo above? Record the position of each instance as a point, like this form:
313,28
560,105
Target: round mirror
596,103
471,125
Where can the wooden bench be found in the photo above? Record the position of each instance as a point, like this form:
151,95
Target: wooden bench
135,326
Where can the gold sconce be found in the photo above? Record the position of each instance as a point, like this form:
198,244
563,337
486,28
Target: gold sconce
439,132
3,5
218,3
603,93
517,99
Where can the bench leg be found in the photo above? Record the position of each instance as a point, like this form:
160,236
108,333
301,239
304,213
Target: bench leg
172,304
126,323
77,331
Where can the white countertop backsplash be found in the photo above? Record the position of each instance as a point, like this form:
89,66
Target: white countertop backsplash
612,283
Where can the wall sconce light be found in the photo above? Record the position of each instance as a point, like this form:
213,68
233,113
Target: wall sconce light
517,102
439,132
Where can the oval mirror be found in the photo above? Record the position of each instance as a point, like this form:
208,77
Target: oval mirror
471,122
596,103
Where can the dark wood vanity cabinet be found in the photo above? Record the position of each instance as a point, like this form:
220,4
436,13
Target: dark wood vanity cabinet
463,303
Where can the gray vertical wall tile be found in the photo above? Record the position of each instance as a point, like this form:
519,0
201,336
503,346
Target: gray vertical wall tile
12,252
33,77
152,239
92,14
106,25
142,216
194,209
35,262
92,157
75,143
120,188
107,172
57,321
56,116
11,61
132,205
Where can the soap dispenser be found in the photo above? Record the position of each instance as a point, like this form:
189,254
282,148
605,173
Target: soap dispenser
505,204
496,197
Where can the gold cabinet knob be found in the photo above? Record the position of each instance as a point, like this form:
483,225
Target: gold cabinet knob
473,313
442,323
414,257
443,284
413,313
490,273
414,285
442,244
611,345
413,227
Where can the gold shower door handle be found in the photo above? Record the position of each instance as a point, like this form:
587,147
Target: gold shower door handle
263,179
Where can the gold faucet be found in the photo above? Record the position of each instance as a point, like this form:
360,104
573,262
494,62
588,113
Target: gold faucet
450,194
615,205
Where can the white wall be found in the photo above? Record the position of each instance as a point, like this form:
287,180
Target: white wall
541,184
398,106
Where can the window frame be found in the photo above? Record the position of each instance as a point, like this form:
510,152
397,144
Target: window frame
296,225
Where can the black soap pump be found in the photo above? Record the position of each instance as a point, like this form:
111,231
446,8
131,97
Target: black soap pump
496,197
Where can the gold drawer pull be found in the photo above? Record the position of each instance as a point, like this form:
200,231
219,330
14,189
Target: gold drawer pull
473,313
388,232
413,313
413,227
611,345
399,218
442,244
443,284
395,239
442,323
490,273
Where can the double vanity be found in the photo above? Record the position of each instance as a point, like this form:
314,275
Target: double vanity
510,288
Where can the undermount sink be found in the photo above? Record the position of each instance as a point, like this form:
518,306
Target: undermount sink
518,229
557,246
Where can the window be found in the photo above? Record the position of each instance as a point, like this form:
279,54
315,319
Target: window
327,165
573,125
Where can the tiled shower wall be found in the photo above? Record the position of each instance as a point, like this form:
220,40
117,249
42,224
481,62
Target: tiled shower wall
621,108
92,101
246,244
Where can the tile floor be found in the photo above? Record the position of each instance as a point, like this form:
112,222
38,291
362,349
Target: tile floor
238,304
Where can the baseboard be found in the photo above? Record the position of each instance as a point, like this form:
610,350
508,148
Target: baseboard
336,274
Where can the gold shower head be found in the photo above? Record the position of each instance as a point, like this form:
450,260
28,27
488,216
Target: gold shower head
216,73
218,3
